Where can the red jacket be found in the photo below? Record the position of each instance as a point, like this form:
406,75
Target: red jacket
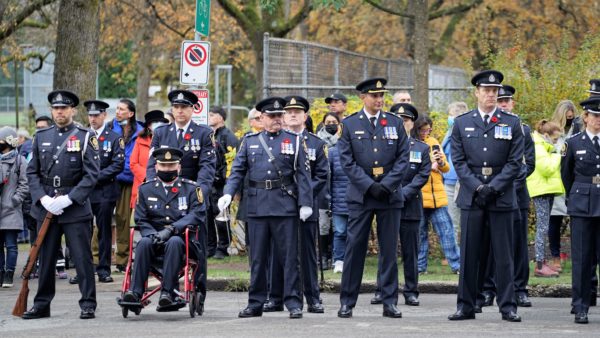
137,163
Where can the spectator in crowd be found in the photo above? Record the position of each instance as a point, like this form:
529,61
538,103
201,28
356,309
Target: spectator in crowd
13,190
338,183
219,233
24,149
451,184
435,202
337,104
401,97
138,161
565,115
127,126
543,185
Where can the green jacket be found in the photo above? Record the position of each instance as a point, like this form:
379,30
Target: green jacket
546,177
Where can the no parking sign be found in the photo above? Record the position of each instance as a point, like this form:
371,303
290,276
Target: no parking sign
200,114
195,62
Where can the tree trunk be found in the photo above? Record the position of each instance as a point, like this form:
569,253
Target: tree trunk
144,63
76,61
420,44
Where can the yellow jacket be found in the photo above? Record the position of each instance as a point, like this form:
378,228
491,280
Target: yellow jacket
434,194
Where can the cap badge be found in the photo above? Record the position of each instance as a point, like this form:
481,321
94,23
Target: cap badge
92,107
180,96
293,101
58,97
492,78
378,84
502,91
276,105
401,110
593,86
168,155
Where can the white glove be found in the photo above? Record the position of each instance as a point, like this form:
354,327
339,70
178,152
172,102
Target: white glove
224,202
305,213
46,202
53,207
60,203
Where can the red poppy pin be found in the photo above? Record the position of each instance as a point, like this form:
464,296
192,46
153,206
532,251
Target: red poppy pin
101,138
494,119
187,137
287,140
383,122
174,190
4,181
73,138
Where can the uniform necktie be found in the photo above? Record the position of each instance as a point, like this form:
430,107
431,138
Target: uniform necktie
373,119
485,119
596,144
179,134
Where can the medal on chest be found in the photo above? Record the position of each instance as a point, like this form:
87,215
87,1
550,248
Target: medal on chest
287,147
415,156
502,132
182,201
312,154
390,133
73,144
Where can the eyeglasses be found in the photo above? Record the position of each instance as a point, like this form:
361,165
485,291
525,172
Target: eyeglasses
425,131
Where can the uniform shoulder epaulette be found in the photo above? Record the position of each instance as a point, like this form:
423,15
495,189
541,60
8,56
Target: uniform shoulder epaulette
44,129
82,128
290,132
508,113
185,180
202,125
577,134
388,115
419,141
252,133
463,114
150,181
352,114
163,126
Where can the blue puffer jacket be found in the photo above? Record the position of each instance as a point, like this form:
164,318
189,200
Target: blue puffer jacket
126,176
338,183
449,177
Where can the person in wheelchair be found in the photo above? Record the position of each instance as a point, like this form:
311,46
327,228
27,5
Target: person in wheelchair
166,206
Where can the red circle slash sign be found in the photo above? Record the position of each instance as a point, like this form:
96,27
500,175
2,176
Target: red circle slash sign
195,55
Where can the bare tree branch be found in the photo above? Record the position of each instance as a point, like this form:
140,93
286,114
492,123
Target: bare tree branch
454,10
295,20
241,18
378,5
6,29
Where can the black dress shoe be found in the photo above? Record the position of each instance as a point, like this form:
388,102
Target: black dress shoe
316,308
477,309
459,315
391,311
581,318
36,313
511,317
271,306
412,301
488,299
131,298
296,313
87,314
523,301
250,312
74,280
594,300
105,279
165,299
345,311
377,299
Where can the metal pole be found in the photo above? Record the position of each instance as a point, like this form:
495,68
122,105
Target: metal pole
230,119
336,69
16,66
217,86
265,65
305,70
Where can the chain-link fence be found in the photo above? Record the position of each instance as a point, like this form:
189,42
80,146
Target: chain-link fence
314,70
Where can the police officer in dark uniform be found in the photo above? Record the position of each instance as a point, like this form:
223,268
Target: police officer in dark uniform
414,179
506,103
487,153
166,206
62,173
279,191
104,197
374,152
581,177
296,112
197,163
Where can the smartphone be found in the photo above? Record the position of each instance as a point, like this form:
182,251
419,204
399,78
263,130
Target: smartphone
435,147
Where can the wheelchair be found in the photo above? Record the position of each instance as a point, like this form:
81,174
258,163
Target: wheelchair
190,296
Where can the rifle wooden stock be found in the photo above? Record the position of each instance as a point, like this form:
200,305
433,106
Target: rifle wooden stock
21,303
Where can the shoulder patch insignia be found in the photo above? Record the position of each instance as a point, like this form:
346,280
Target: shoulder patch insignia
326,150
199,195
563,150
94,142
121,143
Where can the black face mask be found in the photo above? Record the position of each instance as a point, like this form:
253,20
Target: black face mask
570,122
167,176
3,147
331,128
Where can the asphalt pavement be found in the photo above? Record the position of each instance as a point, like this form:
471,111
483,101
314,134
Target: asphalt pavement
549,317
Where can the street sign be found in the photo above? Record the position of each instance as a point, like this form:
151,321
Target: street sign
203,17
200,114
195,62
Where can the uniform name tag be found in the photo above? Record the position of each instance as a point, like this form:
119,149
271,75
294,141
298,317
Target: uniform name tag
469,129
377,171
580,152
359,132
153,199
46,144
254,146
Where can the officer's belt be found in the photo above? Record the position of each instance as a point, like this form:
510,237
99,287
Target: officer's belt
486,171
58,182
271,184
588,179
377,173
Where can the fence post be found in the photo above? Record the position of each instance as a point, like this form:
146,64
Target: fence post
304,70
336,69
266,65
365,68
389,71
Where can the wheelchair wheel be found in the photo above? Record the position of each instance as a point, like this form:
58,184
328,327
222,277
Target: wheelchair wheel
137,311
192,305
124,311
199,304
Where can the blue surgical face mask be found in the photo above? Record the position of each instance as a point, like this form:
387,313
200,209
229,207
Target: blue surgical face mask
155,125
450,121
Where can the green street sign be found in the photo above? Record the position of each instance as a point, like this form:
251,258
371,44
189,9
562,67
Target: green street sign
203,17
